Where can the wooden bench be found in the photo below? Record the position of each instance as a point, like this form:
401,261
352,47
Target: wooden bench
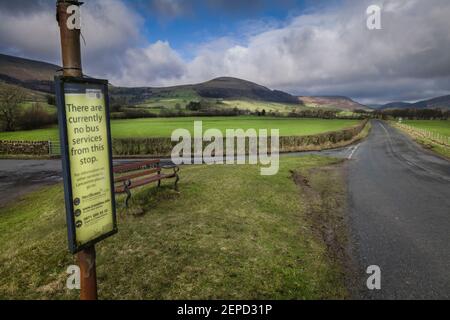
132,175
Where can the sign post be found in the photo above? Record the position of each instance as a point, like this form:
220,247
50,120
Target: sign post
85,136
83,114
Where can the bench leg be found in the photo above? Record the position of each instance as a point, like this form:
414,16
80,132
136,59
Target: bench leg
159,181
177,179
127,184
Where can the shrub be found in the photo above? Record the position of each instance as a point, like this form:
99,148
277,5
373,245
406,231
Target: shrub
36,117
194,106
51,100
134,113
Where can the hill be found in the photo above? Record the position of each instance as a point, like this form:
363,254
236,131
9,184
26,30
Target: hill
333,102
442,102
232,88
30,74
395,105
37,75
220,88
435,103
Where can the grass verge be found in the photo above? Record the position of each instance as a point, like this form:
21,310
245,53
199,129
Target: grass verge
429,144
230,234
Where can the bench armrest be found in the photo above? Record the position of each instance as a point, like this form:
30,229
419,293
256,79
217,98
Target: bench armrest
169,166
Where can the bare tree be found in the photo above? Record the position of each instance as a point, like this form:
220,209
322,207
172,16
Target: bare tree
10,99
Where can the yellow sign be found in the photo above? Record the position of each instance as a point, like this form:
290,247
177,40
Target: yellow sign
89,187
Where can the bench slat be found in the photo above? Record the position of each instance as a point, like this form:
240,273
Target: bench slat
136,175
134,166
141,182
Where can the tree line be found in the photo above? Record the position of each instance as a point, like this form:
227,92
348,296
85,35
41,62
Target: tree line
13,116
413,114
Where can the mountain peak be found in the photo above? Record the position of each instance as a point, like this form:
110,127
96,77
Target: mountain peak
230,88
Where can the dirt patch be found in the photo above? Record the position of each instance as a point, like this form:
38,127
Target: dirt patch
322,213
324,194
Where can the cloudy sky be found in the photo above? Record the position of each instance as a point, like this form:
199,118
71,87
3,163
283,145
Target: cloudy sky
308,47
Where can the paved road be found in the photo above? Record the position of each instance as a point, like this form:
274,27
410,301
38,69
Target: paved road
18,177
400,216
399,201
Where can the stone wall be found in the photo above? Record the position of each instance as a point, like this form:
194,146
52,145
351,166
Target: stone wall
24,147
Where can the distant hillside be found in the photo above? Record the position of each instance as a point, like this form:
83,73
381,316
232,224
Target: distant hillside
219,88
435,103
396,105
27,73
39,76
333,102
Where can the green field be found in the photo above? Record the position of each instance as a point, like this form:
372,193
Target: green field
439,126
163,127
247,237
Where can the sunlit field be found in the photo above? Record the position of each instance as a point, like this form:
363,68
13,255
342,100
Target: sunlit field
163,127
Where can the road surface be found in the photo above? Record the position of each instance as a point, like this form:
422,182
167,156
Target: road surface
399,210
18,177
399,201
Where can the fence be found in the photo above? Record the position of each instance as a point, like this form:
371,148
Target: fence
54,148
433,136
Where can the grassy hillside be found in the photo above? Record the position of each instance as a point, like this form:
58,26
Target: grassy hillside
26,70
159,105
235,93
31,74
249,237
332,102
31,95
435,103
163,127
219,88
442,102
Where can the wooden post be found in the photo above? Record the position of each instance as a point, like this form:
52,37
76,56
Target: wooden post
71,59
88,274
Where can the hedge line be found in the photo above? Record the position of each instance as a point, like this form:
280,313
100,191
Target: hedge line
162,147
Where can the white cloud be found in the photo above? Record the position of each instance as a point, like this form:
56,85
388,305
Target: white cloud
157,63
320,52
108,26
333,52
33,32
